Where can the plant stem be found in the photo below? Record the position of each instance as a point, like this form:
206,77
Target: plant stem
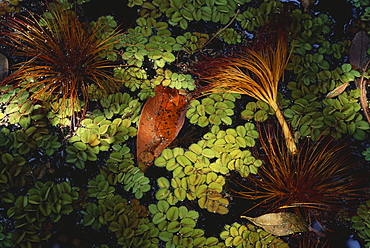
284,126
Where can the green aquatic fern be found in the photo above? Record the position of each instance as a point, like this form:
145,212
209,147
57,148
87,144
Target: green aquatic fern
361,222
230,36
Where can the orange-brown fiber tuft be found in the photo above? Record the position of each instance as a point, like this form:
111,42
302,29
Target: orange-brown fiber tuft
254,72
321,176
63,57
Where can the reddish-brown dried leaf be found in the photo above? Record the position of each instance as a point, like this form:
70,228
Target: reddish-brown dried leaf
161,120
357,51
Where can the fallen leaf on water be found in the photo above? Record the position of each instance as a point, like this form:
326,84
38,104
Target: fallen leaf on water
338,90
358,50
363,99
280,224
161,119
306,4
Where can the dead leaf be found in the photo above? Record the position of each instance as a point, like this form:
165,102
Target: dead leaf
338,90
280,224
161,119
358,50
363,99
4,66
306,4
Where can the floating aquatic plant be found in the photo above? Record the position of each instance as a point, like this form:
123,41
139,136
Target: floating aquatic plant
259,111
99,187
255,72
5,236
13,174
95,135
198,172
120,105
213,109
195,174
121,169
45,202
229,148
311,117
192,42
366,153
361,222
127,220
10,7
359,3
320,176
174,80
63,56
176,226
192,179
237,235
33,133
230,36
253,18
135,77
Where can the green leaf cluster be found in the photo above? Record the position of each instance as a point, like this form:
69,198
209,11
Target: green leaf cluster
214,109
309,29
109,24
198,172
257,111
135,79
20,110
328,80
366,153
176,226
45,202
230,36
149,25
366,15
10,7
60,113
99,187
312,117
255,17
158,47
13,174
135,49
237,235
120,105
22,141
312,52
95,135
120,168
192,178
174,80
229,148
126,220
359,3
192,41
180,12
361,222
5,237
